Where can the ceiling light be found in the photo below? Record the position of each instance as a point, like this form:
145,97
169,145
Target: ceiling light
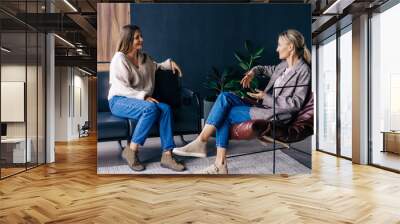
331,7
5,50
84,71
337,7
64,40
70,5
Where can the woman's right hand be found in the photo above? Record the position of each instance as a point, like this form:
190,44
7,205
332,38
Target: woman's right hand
151,99
248,76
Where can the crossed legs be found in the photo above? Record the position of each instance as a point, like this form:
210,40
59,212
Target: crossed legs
228,109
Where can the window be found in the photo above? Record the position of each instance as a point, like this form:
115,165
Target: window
327,95
345,42
385,89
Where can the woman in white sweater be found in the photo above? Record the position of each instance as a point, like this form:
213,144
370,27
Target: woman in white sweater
132,75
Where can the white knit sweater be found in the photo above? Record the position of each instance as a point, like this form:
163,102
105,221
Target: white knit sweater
129,81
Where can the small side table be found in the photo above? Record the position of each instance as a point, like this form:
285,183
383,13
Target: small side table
391,141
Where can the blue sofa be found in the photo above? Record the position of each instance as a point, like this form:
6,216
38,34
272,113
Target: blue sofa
186,115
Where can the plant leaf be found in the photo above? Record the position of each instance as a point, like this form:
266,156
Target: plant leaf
250,64
244,66
238,56
225,72
232,84
212,85
259,51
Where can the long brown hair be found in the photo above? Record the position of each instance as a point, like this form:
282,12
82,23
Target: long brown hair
297,39
126,38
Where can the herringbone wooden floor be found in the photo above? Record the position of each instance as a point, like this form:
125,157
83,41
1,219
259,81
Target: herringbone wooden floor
70,191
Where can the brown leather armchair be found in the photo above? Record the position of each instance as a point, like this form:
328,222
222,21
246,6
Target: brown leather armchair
297,130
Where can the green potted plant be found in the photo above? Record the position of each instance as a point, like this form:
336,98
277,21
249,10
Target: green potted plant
229,79
247,61
218,82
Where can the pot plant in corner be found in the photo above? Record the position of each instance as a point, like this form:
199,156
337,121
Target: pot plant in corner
229,79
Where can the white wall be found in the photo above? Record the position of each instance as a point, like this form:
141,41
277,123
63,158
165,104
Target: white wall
61,103
70,83
82,82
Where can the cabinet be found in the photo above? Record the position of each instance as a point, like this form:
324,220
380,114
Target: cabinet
391,141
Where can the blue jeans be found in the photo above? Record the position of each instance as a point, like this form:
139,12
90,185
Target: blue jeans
228,109
146,114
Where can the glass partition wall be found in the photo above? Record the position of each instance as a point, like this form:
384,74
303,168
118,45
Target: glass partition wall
22,76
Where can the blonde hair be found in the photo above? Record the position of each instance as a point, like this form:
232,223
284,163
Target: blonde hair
297,39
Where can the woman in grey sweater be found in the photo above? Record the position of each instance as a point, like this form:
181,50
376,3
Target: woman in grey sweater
293,72
132,78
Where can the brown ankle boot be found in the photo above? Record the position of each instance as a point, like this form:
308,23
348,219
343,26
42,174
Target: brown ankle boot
169,162
132,159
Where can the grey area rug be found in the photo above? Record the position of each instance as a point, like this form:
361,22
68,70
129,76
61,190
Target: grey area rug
110,162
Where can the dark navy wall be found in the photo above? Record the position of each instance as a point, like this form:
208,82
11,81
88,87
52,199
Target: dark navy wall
199,36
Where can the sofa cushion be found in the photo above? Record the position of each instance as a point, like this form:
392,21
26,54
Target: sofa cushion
102,91
248,130
111,127
167,88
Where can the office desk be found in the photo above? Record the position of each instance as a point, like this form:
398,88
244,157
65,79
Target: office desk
13,150
391,141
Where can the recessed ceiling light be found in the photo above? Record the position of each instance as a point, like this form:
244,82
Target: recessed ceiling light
84,71
64,40
5,49
330,7
70,5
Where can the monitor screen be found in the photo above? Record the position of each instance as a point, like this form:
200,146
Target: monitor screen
3,129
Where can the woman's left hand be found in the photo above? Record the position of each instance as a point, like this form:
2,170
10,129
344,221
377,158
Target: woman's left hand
175,69
259,95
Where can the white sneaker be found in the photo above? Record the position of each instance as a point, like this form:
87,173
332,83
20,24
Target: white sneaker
196,148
